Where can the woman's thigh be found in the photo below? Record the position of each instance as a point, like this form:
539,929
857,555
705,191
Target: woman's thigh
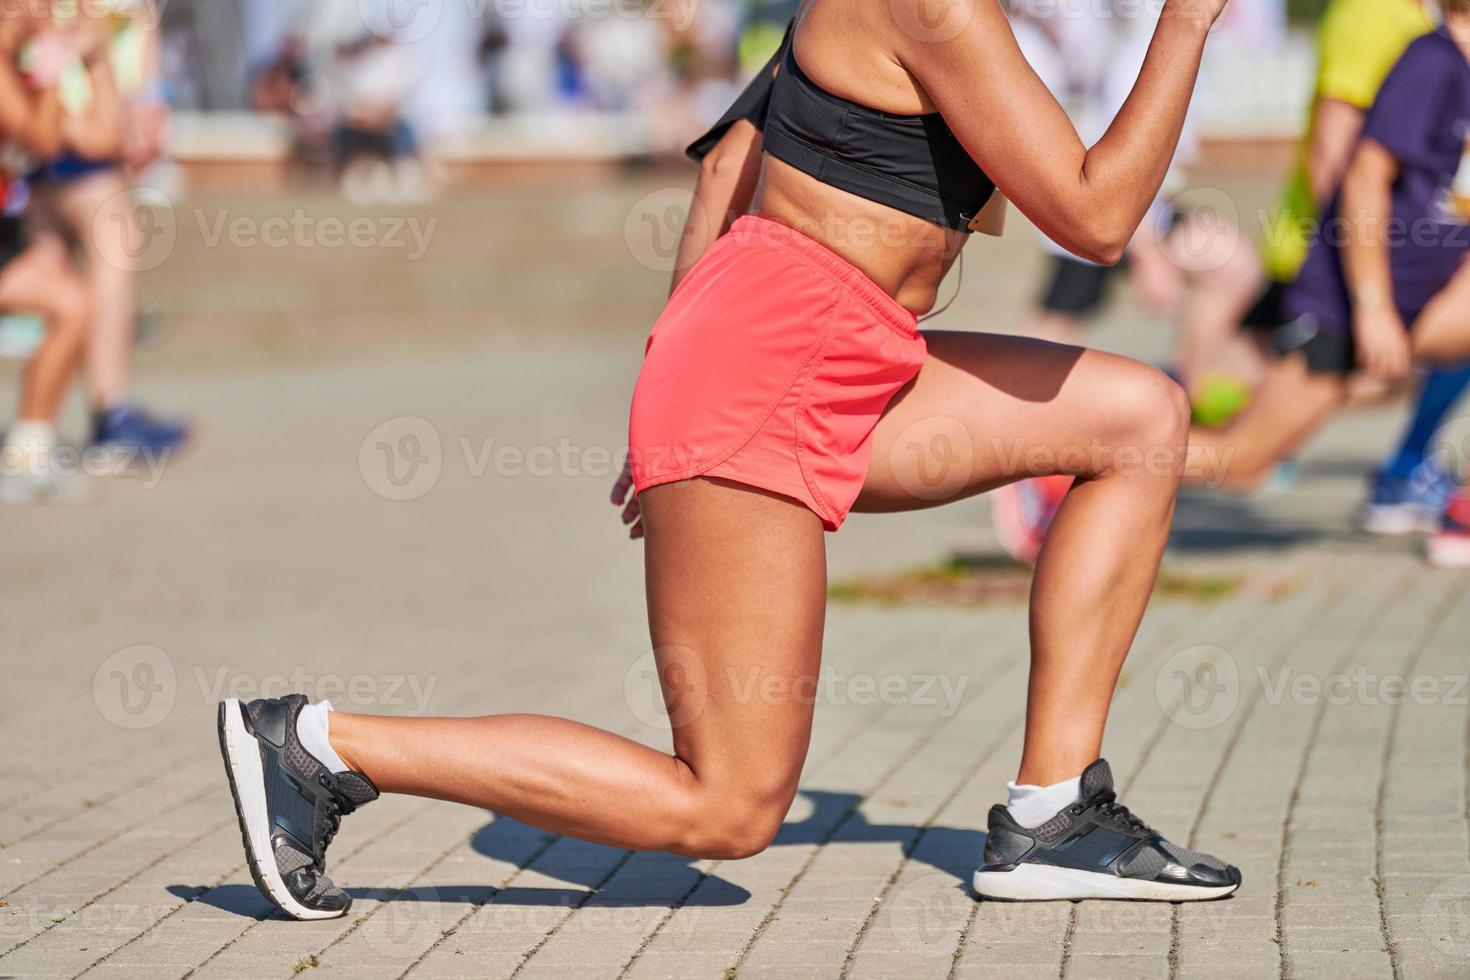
986,410
39,279
736,600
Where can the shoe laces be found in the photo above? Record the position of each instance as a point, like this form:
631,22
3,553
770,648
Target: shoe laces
1108,805
338,808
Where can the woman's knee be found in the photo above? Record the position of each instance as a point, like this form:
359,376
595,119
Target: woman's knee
730,822
70,305
1143,407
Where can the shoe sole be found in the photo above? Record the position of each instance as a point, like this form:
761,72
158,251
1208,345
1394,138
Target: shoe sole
1448,551
241,753
1043,883
1393,523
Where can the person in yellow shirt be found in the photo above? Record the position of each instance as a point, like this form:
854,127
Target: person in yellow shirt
1358,41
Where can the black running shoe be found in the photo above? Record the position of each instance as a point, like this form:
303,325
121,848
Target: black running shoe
1095,848
289,805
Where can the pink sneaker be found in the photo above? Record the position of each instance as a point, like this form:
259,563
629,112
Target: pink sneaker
1450,548
1021,512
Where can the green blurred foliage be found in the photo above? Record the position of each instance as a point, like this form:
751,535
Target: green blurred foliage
1305,11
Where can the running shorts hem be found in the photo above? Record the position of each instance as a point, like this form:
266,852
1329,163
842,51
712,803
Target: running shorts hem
770,367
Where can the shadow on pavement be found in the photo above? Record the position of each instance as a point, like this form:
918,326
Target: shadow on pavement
833,816
1214,522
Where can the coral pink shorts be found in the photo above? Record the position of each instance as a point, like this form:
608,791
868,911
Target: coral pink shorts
771,366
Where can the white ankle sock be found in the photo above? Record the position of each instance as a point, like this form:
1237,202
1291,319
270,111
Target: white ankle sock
311,728
28,446
1032,806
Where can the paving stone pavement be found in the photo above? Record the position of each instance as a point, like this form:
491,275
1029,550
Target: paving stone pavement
1311,727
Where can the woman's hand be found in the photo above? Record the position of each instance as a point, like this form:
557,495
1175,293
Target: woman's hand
90,38
1384,350
622,494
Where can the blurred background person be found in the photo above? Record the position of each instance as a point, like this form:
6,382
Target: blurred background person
85,195
1357,42
37,276
1182,266
1385,281
375,149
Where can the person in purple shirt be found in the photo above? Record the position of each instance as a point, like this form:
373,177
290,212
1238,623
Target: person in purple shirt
1386,283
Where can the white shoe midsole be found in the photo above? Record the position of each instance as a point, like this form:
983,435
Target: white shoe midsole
1449,551
243,755
1040,882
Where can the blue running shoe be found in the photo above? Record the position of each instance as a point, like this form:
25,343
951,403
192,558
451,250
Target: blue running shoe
1407,505
131,438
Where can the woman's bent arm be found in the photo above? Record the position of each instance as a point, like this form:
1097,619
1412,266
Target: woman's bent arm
727,178
1087,200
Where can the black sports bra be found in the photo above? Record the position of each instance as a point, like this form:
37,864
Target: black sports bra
912,163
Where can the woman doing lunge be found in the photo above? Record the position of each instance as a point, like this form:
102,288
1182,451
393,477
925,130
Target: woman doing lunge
785,385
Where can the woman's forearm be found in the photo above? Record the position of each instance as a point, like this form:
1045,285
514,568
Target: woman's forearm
727,180
1089,200
1122,173
97,134
1365,213
32,120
